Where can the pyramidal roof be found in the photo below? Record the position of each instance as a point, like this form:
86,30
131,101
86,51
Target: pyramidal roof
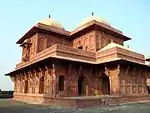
112,45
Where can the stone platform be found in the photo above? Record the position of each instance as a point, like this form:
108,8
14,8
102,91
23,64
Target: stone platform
80,102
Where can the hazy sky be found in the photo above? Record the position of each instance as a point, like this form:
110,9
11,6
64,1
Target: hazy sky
17,17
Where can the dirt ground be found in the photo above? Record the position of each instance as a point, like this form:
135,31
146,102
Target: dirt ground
12,106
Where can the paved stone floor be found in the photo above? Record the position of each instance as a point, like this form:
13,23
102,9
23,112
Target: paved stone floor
11,106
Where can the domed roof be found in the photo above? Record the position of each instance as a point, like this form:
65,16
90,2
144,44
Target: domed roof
51,22
91,18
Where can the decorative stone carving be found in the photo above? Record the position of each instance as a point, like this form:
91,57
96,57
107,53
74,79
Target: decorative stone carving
53,72
48,81
114,79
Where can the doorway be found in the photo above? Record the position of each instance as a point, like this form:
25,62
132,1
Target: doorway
81,86
105,85
148,85
26,86
41,85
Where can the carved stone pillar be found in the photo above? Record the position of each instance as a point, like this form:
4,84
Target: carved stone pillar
144,82
33,81
36,82
30,82
114,79
41,81
17,84
22,83
53,72
48,81
96,86
101,71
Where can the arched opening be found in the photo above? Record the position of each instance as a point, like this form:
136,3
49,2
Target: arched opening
41,85
81,85
148,85
105,85
26,86
148,89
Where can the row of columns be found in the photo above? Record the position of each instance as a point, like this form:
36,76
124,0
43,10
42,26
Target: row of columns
37,81
133,81
33,79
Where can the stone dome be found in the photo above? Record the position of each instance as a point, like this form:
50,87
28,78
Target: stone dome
51,22
91,18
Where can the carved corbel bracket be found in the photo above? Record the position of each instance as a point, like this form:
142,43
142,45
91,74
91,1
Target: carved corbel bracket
40,69
19,78
41,72
47,69
118,69
25,75
108,70
53,67
34,72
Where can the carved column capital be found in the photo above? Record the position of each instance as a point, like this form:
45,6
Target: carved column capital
110,72
53,71
118,69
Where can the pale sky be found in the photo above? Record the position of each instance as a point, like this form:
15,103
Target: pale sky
132,17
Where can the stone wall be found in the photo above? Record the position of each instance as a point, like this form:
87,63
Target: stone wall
82,79
102,39
133,80
39,80
92,79
29,81
29,49
87,41
46,40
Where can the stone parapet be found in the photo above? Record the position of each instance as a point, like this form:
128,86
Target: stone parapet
60,51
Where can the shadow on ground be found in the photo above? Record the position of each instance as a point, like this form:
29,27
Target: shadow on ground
12,106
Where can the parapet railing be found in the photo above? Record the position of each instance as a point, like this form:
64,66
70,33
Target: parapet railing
52,52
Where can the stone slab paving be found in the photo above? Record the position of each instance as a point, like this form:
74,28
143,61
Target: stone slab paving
12,106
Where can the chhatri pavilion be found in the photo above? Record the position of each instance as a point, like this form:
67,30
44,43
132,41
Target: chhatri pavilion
88,61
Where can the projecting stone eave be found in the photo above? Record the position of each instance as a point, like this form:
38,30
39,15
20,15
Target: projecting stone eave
40,26
71,54
100,25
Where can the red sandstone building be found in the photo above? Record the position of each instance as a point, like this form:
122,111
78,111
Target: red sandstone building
89,61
